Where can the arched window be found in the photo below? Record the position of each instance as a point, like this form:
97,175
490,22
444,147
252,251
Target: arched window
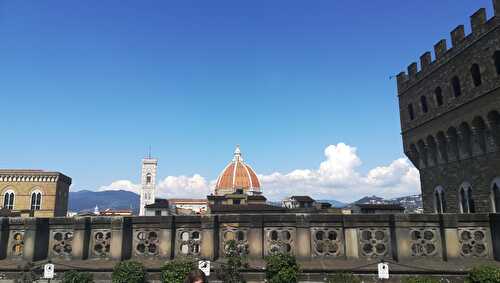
475,72
36,200
411,112
438,95
439,200
496,58
495,195
8,199
466,199
423,103
457,88
148,178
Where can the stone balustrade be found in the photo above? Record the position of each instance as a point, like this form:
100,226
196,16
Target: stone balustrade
307,236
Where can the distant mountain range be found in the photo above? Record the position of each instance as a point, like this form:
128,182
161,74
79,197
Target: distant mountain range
87,200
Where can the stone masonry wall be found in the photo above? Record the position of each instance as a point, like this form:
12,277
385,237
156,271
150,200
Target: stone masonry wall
307,236
454,136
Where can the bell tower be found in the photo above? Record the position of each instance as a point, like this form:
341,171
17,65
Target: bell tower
148,182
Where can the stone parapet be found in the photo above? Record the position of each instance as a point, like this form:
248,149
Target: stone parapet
308,236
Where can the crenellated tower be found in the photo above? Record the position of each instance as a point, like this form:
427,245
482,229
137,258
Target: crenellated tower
450,118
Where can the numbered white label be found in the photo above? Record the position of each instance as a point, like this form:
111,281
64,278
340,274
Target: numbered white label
383,271
48,271
204,265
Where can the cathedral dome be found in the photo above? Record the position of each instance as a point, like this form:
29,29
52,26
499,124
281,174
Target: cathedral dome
237,176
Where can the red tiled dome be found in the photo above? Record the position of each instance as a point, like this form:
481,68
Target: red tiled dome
237,175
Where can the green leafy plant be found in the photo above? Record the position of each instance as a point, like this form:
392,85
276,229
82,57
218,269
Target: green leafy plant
73,276
484,274
176,271
235,260
420,280
282,268
129,272
343,278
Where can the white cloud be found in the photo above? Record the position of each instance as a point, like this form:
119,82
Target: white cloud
125,185
337,177
184,187
171,187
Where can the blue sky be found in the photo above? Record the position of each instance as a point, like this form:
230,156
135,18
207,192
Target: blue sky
87,86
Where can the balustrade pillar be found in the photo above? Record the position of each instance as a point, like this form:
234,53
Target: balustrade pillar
121,238
166,239
351,237
36,238
81,238
209,226
303,244
449,231
256,237
401,241
4,236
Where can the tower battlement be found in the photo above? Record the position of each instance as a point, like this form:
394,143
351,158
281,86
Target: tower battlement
450,118
480,25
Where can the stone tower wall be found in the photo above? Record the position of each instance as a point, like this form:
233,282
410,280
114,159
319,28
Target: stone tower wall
454,135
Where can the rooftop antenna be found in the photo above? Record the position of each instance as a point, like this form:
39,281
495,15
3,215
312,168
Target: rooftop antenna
149,152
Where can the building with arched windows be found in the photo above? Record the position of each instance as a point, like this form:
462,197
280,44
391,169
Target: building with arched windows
34,192
450,118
